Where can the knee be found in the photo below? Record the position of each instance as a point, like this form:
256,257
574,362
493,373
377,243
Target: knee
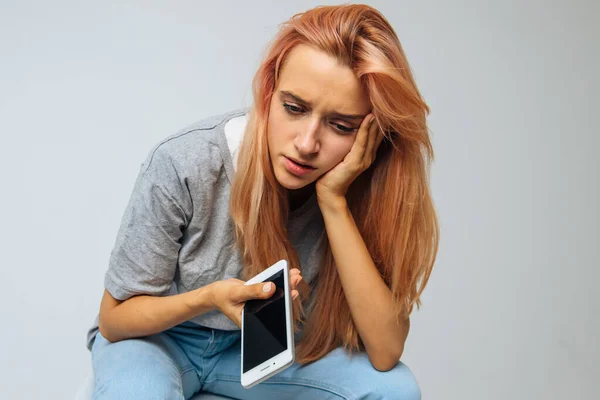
138,384
134,369
398,383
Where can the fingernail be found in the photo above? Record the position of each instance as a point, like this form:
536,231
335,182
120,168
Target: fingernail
267,287
295,296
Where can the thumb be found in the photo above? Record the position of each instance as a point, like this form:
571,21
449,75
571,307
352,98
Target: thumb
262,290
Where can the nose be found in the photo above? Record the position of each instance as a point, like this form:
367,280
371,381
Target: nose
307,141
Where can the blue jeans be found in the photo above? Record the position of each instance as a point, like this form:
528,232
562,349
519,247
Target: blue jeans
188,358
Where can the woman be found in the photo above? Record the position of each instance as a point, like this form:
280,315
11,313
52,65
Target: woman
331,175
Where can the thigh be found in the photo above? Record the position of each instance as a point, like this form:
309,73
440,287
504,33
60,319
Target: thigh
336,376
152,367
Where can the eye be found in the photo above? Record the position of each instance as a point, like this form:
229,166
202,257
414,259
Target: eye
295,110
343,128
292,109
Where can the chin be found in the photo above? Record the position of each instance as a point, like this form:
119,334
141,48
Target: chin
291,182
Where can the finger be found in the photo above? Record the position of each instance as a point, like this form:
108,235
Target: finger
295,281
363,136
262,290
375,138
295,294
294,275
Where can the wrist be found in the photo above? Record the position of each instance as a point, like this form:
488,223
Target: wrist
211,290
332,203
204,298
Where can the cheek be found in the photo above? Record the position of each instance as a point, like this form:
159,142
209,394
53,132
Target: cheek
280,131
337,149
273,134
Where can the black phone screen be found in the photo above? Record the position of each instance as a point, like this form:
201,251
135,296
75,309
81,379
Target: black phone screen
265,326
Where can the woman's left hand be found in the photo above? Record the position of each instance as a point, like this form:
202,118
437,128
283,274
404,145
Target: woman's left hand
334,184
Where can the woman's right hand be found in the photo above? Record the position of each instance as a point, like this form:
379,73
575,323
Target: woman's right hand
230,295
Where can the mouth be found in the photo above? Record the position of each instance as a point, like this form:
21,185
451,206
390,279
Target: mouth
297,168
302,164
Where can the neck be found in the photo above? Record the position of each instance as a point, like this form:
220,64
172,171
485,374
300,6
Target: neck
298,197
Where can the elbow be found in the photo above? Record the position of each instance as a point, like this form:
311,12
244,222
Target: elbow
105,330
386,359
384,365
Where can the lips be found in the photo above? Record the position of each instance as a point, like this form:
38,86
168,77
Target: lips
297,168
302,164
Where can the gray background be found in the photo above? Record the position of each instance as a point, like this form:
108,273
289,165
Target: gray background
86,89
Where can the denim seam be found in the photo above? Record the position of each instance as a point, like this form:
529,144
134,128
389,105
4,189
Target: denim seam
202,357
298,382
211,343
192,368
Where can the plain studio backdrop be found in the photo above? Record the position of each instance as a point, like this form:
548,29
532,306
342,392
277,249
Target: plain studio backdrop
87,88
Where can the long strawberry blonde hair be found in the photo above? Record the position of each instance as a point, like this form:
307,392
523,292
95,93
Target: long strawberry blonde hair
390,202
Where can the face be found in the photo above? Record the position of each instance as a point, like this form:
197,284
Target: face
314,116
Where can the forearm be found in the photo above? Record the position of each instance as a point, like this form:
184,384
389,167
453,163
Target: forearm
369,298
146,315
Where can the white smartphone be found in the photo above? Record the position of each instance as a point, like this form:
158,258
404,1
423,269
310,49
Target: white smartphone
267,329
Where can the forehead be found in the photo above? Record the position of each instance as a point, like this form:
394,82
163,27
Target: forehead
321,80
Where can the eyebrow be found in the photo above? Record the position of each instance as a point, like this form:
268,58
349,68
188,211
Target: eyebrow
306,103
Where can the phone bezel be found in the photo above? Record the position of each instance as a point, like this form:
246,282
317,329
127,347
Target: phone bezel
284,359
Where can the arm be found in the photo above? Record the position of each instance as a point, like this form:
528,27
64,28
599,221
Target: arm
146,315
368,297
143,261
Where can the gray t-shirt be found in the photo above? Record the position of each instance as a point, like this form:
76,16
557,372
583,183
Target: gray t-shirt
176,234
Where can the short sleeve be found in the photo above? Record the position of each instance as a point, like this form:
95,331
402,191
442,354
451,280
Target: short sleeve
144,257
